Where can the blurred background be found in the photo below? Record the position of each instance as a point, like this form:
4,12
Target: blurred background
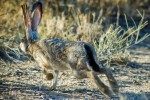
82,20
71,19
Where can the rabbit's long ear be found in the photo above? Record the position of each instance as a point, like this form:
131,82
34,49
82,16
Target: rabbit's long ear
27,21
36,15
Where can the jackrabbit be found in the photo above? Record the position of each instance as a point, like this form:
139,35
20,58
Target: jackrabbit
56,55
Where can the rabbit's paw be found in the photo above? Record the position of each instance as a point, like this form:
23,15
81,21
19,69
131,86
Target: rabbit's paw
52,88
49,76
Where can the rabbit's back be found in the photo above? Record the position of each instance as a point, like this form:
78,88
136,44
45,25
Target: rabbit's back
62,53
60,48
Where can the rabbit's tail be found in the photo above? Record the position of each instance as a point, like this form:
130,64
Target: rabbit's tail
92,63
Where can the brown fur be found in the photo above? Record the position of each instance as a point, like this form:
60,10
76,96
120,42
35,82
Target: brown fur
55,55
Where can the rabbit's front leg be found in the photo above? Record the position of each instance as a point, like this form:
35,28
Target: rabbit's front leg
48,76
53,75
54,81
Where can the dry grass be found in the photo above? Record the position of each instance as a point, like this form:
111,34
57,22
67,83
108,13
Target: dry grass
76,20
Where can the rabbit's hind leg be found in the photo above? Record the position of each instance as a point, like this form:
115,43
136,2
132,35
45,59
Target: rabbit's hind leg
109,75
111,79
102,87
78,69
80,74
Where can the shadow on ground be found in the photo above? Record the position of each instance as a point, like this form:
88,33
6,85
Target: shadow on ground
136,96
10,90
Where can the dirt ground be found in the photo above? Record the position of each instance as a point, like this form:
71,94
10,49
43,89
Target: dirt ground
25,81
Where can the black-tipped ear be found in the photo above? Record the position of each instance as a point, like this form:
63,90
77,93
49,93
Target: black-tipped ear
27,21
36,15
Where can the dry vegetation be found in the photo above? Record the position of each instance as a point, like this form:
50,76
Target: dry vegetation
111,26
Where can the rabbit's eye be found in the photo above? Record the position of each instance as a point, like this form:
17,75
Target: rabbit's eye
23,39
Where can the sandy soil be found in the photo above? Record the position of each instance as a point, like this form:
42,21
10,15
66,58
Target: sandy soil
25,81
